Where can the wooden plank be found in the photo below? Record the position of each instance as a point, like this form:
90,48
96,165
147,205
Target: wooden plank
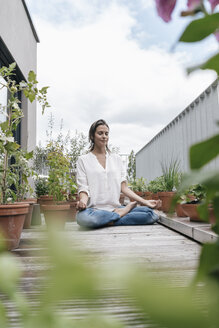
161,251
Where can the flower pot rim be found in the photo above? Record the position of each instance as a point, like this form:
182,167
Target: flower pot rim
56,207
14,205
166,192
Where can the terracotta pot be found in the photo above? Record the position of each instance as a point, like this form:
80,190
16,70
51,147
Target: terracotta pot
45,199
28,218
139,193
56,214
12,218
72,211
147,195
154,196
166,197
36,216
179,211
190,210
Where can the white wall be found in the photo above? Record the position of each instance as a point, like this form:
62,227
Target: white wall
19,36
16,32
194,124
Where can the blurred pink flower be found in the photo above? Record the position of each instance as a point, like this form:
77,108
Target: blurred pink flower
217,35
165,8
213,3
192,4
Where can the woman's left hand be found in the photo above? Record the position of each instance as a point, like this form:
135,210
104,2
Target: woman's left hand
154,203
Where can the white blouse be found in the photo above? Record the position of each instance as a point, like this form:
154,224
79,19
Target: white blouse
103,186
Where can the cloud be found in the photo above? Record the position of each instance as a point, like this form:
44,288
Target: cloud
98,70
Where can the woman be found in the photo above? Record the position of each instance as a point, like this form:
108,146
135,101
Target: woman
100,179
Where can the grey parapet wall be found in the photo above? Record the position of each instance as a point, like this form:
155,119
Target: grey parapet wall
195,123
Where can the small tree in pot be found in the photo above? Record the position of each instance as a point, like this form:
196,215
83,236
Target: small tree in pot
59,181
13,215
22,173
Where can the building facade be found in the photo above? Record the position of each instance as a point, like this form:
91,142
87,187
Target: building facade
18,43
195,123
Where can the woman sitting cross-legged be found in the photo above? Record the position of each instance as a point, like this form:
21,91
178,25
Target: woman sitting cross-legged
101,178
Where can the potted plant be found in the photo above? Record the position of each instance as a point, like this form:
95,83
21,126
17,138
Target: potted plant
138,185
12,215
73,198
59,181
22,172
42,191
155,186
171,180
191,200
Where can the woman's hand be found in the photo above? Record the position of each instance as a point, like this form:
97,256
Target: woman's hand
81,205
129,193
154,203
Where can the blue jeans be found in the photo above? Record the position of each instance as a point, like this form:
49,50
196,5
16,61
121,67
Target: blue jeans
93,218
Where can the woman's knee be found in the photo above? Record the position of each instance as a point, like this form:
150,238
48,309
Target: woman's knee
84,219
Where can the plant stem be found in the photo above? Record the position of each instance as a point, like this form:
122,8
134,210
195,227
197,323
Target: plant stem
4,179
5,168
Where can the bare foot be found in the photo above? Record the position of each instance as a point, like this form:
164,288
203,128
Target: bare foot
125,210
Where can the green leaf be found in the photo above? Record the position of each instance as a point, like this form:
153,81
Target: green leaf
43,90
199,29
29,155
32,77
167,306
4,126
11,146
203,152
216,212
31,96
209,179
212,63
209,260
12,66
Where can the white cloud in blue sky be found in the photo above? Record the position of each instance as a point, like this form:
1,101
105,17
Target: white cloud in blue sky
109,59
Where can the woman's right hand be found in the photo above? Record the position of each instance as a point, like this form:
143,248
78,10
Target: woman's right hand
81,205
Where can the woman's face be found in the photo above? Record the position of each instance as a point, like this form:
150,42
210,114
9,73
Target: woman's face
101,136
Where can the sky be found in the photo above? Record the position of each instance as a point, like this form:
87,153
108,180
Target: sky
112,60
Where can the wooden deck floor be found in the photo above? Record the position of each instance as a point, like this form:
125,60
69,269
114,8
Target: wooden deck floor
153,246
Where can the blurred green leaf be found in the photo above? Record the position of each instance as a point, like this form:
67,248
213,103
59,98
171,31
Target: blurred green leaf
212,63
3,317
203,152
216,212
209,179
167,306
209,262
70,277
199,29
99,321
203,211
9,273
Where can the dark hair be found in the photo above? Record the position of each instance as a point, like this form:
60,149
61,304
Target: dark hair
92,133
